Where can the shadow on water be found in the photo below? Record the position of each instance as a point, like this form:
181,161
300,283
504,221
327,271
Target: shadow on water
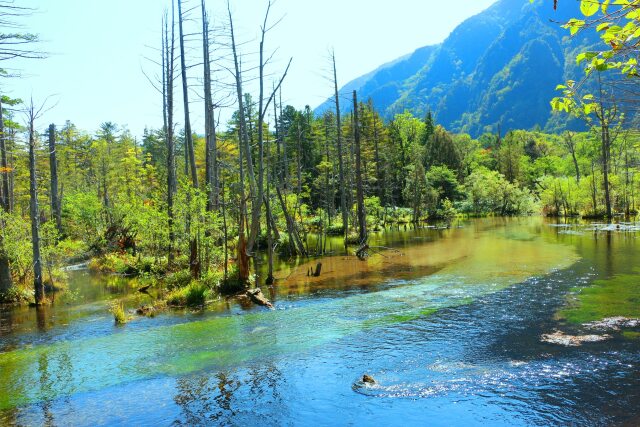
452,320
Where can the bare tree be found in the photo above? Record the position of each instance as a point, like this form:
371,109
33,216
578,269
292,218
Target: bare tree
341,182
168,79
56,203
362,220
14,43
211,149
194,260
33,114
5,272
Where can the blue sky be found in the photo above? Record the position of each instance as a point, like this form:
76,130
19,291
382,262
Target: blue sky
98,49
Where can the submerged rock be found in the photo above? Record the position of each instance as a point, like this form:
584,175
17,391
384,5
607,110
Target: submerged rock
561,338
613,323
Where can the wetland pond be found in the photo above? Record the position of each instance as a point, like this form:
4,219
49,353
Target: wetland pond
448,322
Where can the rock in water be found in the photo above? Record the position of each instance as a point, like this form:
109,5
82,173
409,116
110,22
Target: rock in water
258,298
561,338
613,323
367,379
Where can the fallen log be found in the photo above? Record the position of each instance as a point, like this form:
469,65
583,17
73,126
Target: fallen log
144,289
258,298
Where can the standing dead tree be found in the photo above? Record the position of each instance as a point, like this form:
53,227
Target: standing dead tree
33,114
56,202
256,186
341,180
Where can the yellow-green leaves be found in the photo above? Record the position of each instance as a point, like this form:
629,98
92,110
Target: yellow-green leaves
589,7
574,25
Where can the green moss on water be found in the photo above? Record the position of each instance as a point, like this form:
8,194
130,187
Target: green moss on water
618,296
631,335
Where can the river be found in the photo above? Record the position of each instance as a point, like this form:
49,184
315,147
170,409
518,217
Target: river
448,322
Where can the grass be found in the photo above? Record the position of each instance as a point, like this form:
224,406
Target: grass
618,296
194,294
119,315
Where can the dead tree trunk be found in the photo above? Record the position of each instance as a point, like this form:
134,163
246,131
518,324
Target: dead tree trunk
193,244
168,61
343,196
34,211
53,165
362,219
294,236
244,145
5,272
185,97
4,166
209,119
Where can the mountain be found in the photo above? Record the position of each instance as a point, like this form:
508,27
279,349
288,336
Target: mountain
497,69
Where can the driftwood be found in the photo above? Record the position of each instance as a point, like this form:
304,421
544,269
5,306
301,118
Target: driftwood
258,298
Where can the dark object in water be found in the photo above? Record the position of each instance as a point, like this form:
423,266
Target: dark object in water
361,253
258,297
146,310
368,379
144,289
316,273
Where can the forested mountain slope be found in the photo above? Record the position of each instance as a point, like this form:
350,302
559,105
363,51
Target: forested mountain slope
498,68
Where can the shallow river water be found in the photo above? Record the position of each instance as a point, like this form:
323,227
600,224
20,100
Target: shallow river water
448,323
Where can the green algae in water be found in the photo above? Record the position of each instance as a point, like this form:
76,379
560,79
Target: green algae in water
618,296
631,335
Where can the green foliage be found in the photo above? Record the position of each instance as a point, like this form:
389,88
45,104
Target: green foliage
488,192
119,315
443,187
